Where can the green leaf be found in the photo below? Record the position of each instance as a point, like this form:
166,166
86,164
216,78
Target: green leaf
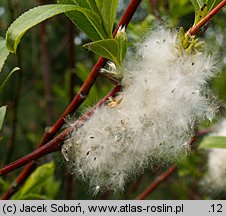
108,12
213,142
107,48
92,4
7,78
3,53
88,21
51,188
30,19
36,181
2,115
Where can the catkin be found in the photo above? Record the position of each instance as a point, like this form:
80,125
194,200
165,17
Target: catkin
165,92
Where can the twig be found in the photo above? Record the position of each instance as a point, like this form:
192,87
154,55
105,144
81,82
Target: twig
84,91
193,30
156,182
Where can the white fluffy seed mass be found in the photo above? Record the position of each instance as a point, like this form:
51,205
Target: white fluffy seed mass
164,94
215,180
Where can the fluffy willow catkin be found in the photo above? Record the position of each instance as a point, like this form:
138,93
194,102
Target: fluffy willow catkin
164,94
214,181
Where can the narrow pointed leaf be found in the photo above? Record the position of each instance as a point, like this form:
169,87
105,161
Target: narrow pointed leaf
30,19
108,12
88,21
3,53
107,48
2,115
213,142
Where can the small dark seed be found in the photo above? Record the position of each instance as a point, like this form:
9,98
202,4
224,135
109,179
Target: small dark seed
92,137
203,7
94,158
173,90
192,63
87,153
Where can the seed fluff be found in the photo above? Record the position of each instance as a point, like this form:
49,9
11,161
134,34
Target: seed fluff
151,123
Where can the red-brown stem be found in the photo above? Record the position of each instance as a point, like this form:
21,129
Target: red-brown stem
84,91
52,146
76,102
156,182
78,99
193,30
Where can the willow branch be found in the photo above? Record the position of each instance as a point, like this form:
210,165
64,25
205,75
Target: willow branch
193,30
85,89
